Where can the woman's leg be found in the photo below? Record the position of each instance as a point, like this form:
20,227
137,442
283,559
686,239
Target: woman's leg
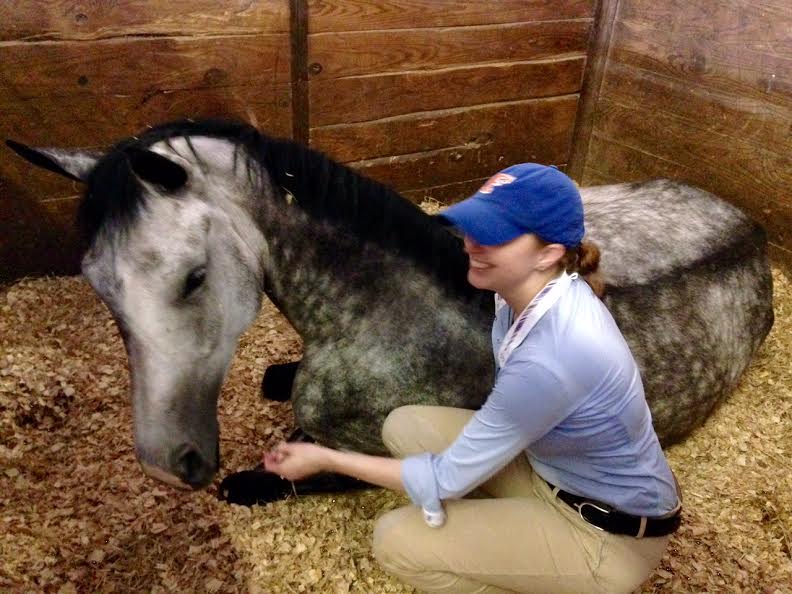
526,540
513,544
416,429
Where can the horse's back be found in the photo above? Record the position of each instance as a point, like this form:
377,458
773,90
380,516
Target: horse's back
689,284
650,228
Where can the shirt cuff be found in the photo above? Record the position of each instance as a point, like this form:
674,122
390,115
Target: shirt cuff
418,478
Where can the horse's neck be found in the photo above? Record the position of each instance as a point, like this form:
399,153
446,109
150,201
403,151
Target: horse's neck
322,268
317,275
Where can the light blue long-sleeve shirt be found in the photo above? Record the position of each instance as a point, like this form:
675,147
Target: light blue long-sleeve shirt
569,397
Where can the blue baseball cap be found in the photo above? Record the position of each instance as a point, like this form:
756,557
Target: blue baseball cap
524,198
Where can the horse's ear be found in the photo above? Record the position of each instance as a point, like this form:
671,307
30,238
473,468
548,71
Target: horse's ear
75,164
156,169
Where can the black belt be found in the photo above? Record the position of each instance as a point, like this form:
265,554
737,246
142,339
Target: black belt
603,516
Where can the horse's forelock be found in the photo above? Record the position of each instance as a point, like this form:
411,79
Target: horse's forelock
114,197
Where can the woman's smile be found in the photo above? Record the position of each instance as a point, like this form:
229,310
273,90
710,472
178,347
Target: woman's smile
479,264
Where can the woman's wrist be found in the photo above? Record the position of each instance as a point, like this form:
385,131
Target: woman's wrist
330,460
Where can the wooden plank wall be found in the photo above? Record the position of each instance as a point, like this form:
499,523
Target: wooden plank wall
429,97
86,74
434,97
698,91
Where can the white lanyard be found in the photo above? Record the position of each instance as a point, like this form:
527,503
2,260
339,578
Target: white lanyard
538,307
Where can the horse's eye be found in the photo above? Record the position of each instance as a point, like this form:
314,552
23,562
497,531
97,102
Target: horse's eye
194,280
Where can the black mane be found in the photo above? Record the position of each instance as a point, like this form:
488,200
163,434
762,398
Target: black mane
323,188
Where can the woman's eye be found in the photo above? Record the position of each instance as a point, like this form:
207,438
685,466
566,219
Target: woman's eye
194,280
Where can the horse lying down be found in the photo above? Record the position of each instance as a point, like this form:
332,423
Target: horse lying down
190,222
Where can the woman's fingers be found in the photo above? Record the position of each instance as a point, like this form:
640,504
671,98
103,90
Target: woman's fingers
274,459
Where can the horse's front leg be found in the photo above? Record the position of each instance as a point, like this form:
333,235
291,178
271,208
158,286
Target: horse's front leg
257,486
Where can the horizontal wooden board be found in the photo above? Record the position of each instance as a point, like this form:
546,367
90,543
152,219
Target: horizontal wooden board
36,238
150,65
611,162
364,98
738,68
780,256
333,55
592,177
755,180
353,15
450,193
746,119
446,194
98,121
754,173
551,119
72,19
732,22
454,164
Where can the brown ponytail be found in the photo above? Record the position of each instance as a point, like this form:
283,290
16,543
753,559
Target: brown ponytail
585,261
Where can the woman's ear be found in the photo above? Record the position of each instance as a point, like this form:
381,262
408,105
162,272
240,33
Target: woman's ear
550,255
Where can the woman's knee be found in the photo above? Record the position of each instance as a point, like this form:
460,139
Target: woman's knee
416,428
389,543
397,424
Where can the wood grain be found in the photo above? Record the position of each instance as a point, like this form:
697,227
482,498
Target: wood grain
122,67
98,121
35,20
36,238
753,179
700,92
744,69
91,94
354,15
450,165
448,193
333,55
366,98
548,119
729,22
598,51
744,119
612,162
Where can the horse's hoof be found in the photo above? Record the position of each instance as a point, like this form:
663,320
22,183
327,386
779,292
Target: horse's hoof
251,487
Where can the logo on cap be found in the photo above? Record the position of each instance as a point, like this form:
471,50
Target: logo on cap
499,179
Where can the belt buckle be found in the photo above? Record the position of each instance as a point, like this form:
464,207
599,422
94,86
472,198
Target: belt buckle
580,507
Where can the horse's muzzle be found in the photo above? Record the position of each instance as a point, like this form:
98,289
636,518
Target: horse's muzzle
188,469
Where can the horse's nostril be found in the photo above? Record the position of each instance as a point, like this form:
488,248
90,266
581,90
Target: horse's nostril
192,468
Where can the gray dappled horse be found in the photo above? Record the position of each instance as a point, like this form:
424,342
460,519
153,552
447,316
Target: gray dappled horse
187,225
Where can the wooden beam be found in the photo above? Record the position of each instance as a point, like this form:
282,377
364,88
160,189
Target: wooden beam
354,15
450,165
548,120
336,55
358,99
37,20
299,70
448,193
598,52
737,118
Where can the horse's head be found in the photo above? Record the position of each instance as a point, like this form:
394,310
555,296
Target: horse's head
176,256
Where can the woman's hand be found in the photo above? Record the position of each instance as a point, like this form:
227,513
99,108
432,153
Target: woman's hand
295,461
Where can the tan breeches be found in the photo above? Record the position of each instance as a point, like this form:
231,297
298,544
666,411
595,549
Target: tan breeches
512,536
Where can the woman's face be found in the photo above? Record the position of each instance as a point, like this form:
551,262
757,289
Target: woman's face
502,267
